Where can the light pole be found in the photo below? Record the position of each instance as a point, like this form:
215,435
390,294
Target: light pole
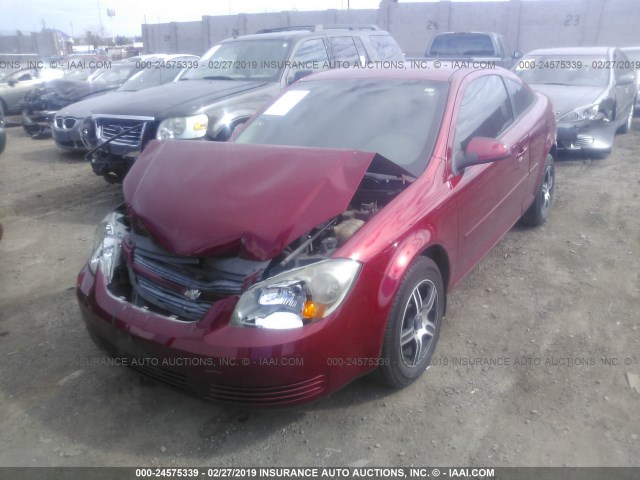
111,13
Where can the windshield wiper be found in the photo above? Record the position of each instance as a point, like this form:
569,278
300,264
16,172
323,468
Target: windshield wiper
218,77
383,177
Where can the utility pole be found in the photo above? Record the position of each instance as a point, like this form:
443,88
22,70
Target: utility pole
111,13
100,18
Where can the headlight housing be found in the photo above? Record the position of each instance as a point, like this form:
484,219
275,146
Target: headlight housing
106,245
194,126
589,112
298,297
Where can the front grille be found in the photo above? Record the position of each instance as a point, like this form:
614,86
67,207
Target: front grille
69,122
159,374
107,128
171,300
59,122
186,286
582,141
269,396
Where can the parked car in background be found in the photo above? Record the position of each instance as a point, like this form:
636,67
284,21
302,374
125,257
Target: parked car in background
319,244
234,79
3,133
68,121
40,104
633,54
592,89
480,47
15,85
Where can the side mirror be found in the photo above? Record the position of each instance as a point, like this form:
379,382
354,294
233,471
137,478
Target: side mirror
517,55
298,75
481,150
626,79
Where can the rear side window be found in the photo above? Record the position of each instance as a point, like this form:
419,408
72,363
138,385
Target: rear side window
485,111
522,97
344,49
386,47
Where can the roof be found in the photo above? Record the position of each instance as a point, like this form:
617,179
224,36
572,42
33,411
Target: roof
284,35
443,74
601,51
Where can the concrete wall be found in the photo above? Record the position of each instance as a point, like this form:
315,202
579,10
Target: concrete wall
17,47
527,24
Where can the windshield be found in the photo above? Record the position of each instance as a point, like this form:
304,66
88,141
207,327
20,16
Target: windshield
115,74
149,77
399,119
577,71
242,60
468,44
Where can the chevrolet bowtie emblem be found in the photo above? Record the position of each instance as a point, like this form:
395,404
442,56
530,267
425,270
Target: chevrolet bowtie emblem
192,294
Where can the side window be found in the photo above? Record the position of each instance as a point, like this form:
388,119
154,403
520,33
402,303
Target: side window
386,47
522,97
312,55
344,49
485,111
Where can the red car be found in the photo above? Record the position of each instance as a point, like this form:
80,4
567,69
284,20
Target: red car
319,245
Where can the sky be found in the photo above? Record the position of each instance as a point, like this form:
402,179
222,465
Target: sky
75,17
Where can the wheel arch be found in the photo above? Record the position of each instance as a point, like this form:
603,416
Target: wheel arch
439,255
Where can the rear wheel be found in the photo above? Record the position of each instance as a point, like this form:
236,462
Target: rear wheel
539,210
413,326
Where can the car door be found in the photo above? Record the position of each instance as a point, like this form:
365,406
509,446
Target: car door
625,88
489,196
18,84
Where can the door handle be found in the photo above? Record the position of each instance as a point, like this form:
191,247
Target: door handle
521,153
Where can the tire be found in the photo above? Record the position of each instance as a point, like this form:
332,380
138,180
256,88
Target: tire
413,326
538,212
626,128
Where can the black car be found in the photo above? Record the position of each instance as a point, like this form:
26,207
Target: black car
68,121
41,104
233,80
593,91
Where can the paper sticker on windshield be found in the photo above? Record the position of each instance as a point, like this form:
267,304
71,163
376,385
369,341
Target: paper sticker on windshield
286,102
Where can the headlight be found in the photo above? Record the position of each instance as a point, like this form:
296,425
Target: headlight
590,112
297,297
106,245
183,127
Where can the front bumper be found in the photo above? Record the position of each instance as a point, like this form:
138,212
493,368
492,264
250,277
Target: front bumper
213,360
69,139
592,135
37,122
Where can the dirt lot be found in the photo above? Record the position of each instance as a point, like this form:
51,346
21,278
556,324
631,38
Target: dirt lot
546,304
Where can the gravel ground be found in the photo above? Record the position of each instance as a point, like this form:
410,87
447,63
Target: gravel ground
555,309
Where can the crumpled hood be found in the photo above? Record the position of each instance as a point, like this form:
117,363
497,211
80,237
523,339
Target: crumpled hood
202,198
567,98
181,98
73,90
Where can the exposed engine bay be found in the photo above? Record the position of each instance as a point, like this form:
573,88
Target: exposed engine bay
185,287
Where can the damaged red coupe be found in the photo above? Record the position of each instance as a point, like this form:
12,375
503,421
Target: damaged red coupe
319,245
